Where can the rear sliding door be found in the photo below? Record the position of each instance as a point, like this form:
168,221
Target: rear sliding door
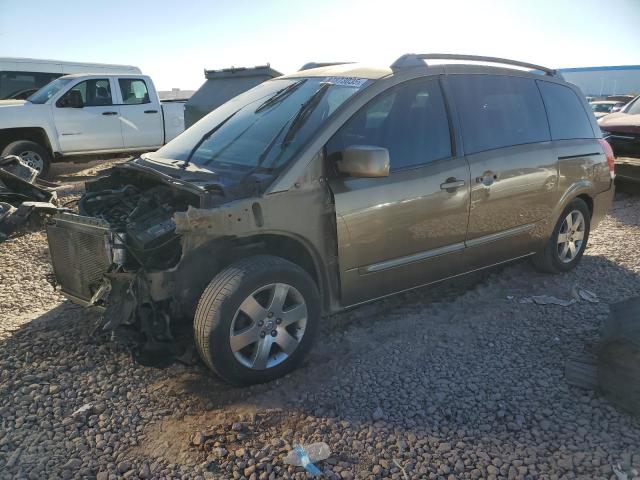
513,164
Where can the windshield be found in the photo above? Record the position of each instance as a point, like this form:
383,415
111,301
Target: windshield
49,90
264,127
602,107
634,107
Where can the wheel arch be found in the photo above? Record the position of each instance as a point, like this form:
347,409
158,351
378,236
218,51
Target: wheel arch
588,200
32,134
217,254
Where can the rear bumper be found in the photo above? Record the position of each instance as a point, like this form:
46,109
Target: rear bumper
601,205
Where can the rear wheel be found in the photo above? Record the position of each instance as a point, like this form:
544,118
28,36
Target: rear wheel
33,154
257,319
568,240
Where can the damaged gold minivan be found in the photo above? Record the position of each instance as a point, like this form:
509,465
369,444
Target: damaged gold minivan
327,188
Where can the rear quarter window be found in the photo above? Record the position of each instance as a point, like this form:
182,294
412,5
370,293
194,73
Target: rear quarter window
499,111
567,117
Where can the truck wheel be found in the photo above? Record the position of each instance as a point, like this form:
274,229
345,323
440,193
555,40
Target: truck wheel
257,320
33,154
568,240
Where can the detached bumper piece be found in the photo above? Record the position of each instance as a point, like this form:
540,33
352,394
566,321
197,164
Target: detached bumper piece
20,199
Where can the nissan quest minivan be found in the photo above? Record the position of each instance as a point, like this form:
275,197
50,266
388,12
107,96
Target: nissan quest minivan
327,188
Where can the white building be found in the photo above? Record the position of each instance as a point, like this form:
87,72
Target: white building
604,81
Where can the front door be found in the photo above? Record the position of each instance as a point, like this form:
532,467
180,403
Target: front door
95,126
513,163
142,125
409,228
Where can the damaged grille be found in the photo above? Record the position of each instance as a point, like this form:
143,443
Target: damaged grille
80,253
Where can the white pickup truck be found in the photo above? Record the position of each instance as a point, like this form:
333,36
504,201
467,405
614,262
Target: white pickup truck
87,114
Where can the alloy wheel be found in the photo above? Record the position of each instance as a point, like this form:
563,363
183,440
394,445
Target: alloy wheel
268,326
571,236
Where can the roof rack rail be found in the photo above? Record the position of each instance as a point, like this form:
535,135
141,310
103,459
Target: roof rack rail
310,65
414,60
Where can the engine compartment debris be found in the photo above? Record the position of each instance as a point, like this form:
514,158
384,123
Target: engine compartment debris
21,199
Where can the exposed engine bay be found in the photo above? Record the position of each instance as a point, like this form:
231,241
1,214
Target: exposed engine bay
141,221
120,251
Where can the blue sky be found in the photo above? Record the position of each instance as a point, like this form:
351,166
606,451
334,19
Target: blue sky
174,41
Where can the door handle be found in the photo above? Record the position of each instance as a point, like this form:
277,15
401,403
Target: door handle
452,184
109,113
151,111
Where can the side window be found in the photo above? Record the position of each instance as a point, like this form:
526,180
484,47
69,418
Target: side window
567,117
13,84
409,120
94,93
134,91
498,111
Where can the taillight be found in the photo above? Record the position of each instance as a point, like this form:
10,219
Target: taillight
611,158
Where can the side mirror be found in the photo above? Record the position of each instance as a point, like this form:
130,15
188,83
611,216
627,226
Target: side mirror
72,99
364,161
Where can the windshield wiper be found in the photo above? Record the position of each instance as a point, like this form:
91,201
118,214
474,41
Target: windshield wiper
280,95
205,137
296,123
304,113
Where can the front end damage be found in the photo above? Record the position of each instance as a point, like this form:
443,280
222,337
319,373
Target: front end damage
122,252
22,201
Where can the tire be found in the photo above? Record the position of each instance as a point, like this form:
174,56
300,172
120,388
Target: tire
33,153
251,285
551,259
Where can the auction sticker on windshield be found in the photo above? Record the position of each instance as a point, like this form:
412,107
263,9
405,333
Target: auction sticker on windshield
346,81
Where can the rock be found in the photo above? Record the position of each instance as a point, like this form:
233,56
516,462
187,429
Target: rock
566,463
123,466
72,464
443,448
145,471
378,414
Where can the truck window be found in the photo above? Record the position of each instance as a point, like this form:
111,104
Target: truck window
498,111
567,117
13,83
134,91
95,93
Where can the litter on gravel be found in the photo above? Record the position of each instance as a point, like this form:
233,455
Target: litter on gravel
305,456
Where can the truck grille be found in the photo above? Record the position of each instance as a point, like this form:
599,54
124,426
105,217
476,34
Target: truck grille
80,253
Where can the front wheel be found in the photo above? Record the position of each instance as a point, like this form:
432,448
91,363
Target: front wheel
257,319
568,240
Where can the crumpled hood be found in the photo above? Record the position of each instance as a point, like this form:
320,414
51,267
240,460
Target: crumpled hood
620,122
233,183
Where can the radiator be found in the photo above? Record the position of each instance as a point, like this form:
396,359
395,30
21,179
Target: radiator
80,253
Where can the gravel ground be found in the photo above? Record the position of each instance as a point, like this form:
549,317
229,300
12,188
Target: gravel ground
456,381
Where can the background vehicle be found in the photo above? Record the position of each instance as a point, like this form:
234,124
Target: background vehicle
600,108
222,85
88,114
22,74
623,129
332,187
